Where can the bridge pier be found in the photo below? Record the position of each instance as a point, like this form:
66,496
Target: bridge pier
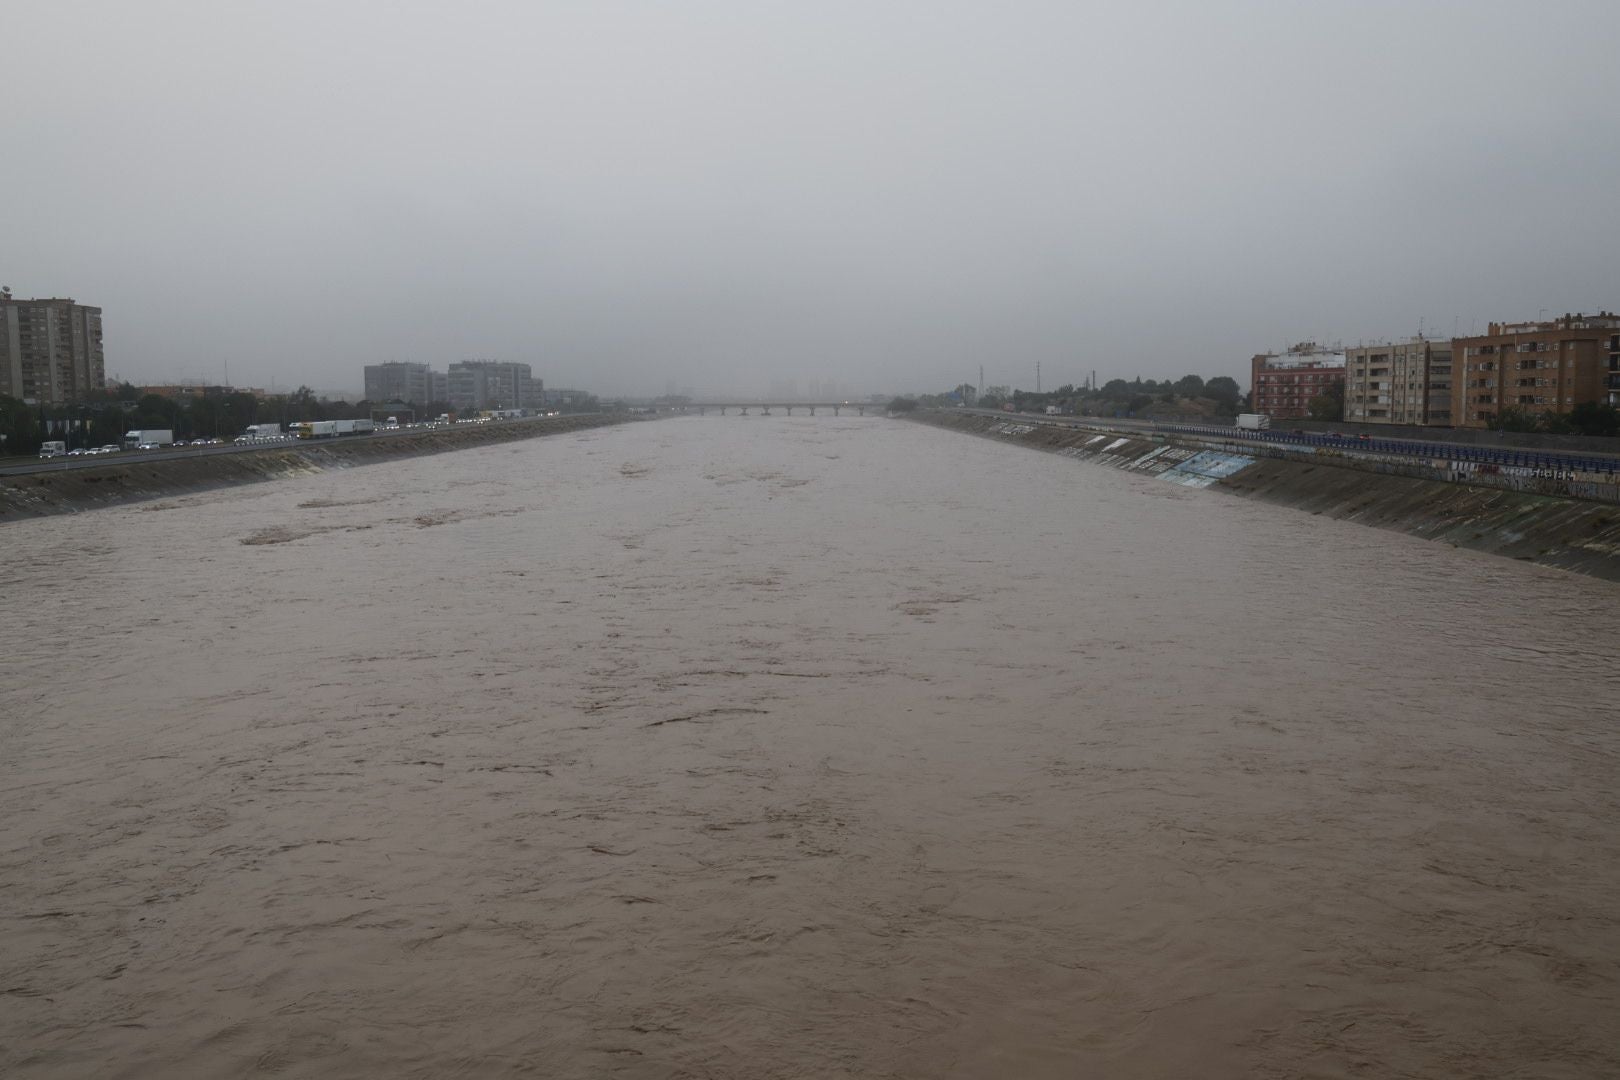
745,410
863,410
835,410
790,410
812,410
766,410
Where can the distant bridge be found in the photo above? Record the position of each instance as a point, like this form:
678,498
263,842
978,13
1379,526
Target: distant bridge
765,407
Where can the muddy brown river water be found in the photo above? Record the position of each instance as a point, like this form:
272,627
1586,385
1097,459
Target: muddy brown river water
796,747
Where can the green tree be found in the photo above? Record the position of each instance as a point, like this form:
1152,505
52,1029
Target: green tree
1513,418
20,431
1595,418
107,426
1328,405
1223,388
156,411
243,407
903,404
301,405
1190,386
1556,423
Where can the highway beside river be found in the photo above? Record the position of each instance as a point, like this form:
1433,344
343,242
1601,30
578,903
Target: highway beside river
64,463
796,747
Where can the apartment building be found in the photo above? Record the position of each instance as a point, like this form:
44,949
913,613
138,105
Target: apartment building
493,384
1282,385
1440,382
1536,367
50,350
400,381
1394,383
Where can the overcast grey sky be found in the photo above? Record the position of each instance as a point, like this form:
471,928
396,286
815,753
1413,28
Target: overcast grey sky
726,194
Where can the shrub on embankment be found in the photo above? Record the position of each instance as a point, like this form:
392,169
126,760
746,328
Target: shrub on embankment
1569,533
129,478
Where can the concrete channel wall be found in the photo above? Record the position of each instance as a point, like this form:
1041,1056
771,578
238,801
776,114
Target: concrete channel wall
1569,523
1541,472
126,479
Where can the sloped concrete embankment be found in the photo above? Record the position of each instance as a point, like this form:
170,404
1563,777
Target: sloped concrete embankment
1554,530
130,479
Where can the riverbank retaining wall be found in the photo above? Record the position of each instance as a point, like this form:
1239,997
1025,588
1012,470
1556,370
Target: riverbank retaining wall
1538,519
129,478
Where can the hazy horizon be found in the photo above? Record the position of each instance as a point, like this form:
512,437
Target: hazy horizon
722,196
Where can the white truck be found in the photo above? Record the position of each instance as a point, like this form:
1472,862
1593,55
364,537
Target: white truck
1253,421
52,448
353,427
314,429
142,437
260,432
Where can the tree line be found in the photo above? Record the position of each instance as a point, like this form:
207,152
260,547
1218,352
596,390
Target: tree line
1188,395
103,416
1587,418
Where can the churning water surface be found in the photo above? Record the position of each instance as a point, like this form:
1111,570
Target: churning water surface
796,747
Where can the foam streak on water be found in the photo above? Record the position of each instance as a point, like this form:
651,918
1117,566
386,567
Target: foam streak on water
796,747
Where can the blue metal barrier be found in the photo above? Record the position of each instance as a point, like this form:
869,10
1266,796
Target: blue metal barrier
1482,455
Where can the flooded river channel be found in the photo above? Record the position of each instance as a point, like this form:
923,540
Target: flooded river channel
777,747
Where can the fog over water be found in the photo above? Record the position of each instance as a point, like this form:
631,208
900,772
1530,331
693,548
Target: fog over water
723,195
796,747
